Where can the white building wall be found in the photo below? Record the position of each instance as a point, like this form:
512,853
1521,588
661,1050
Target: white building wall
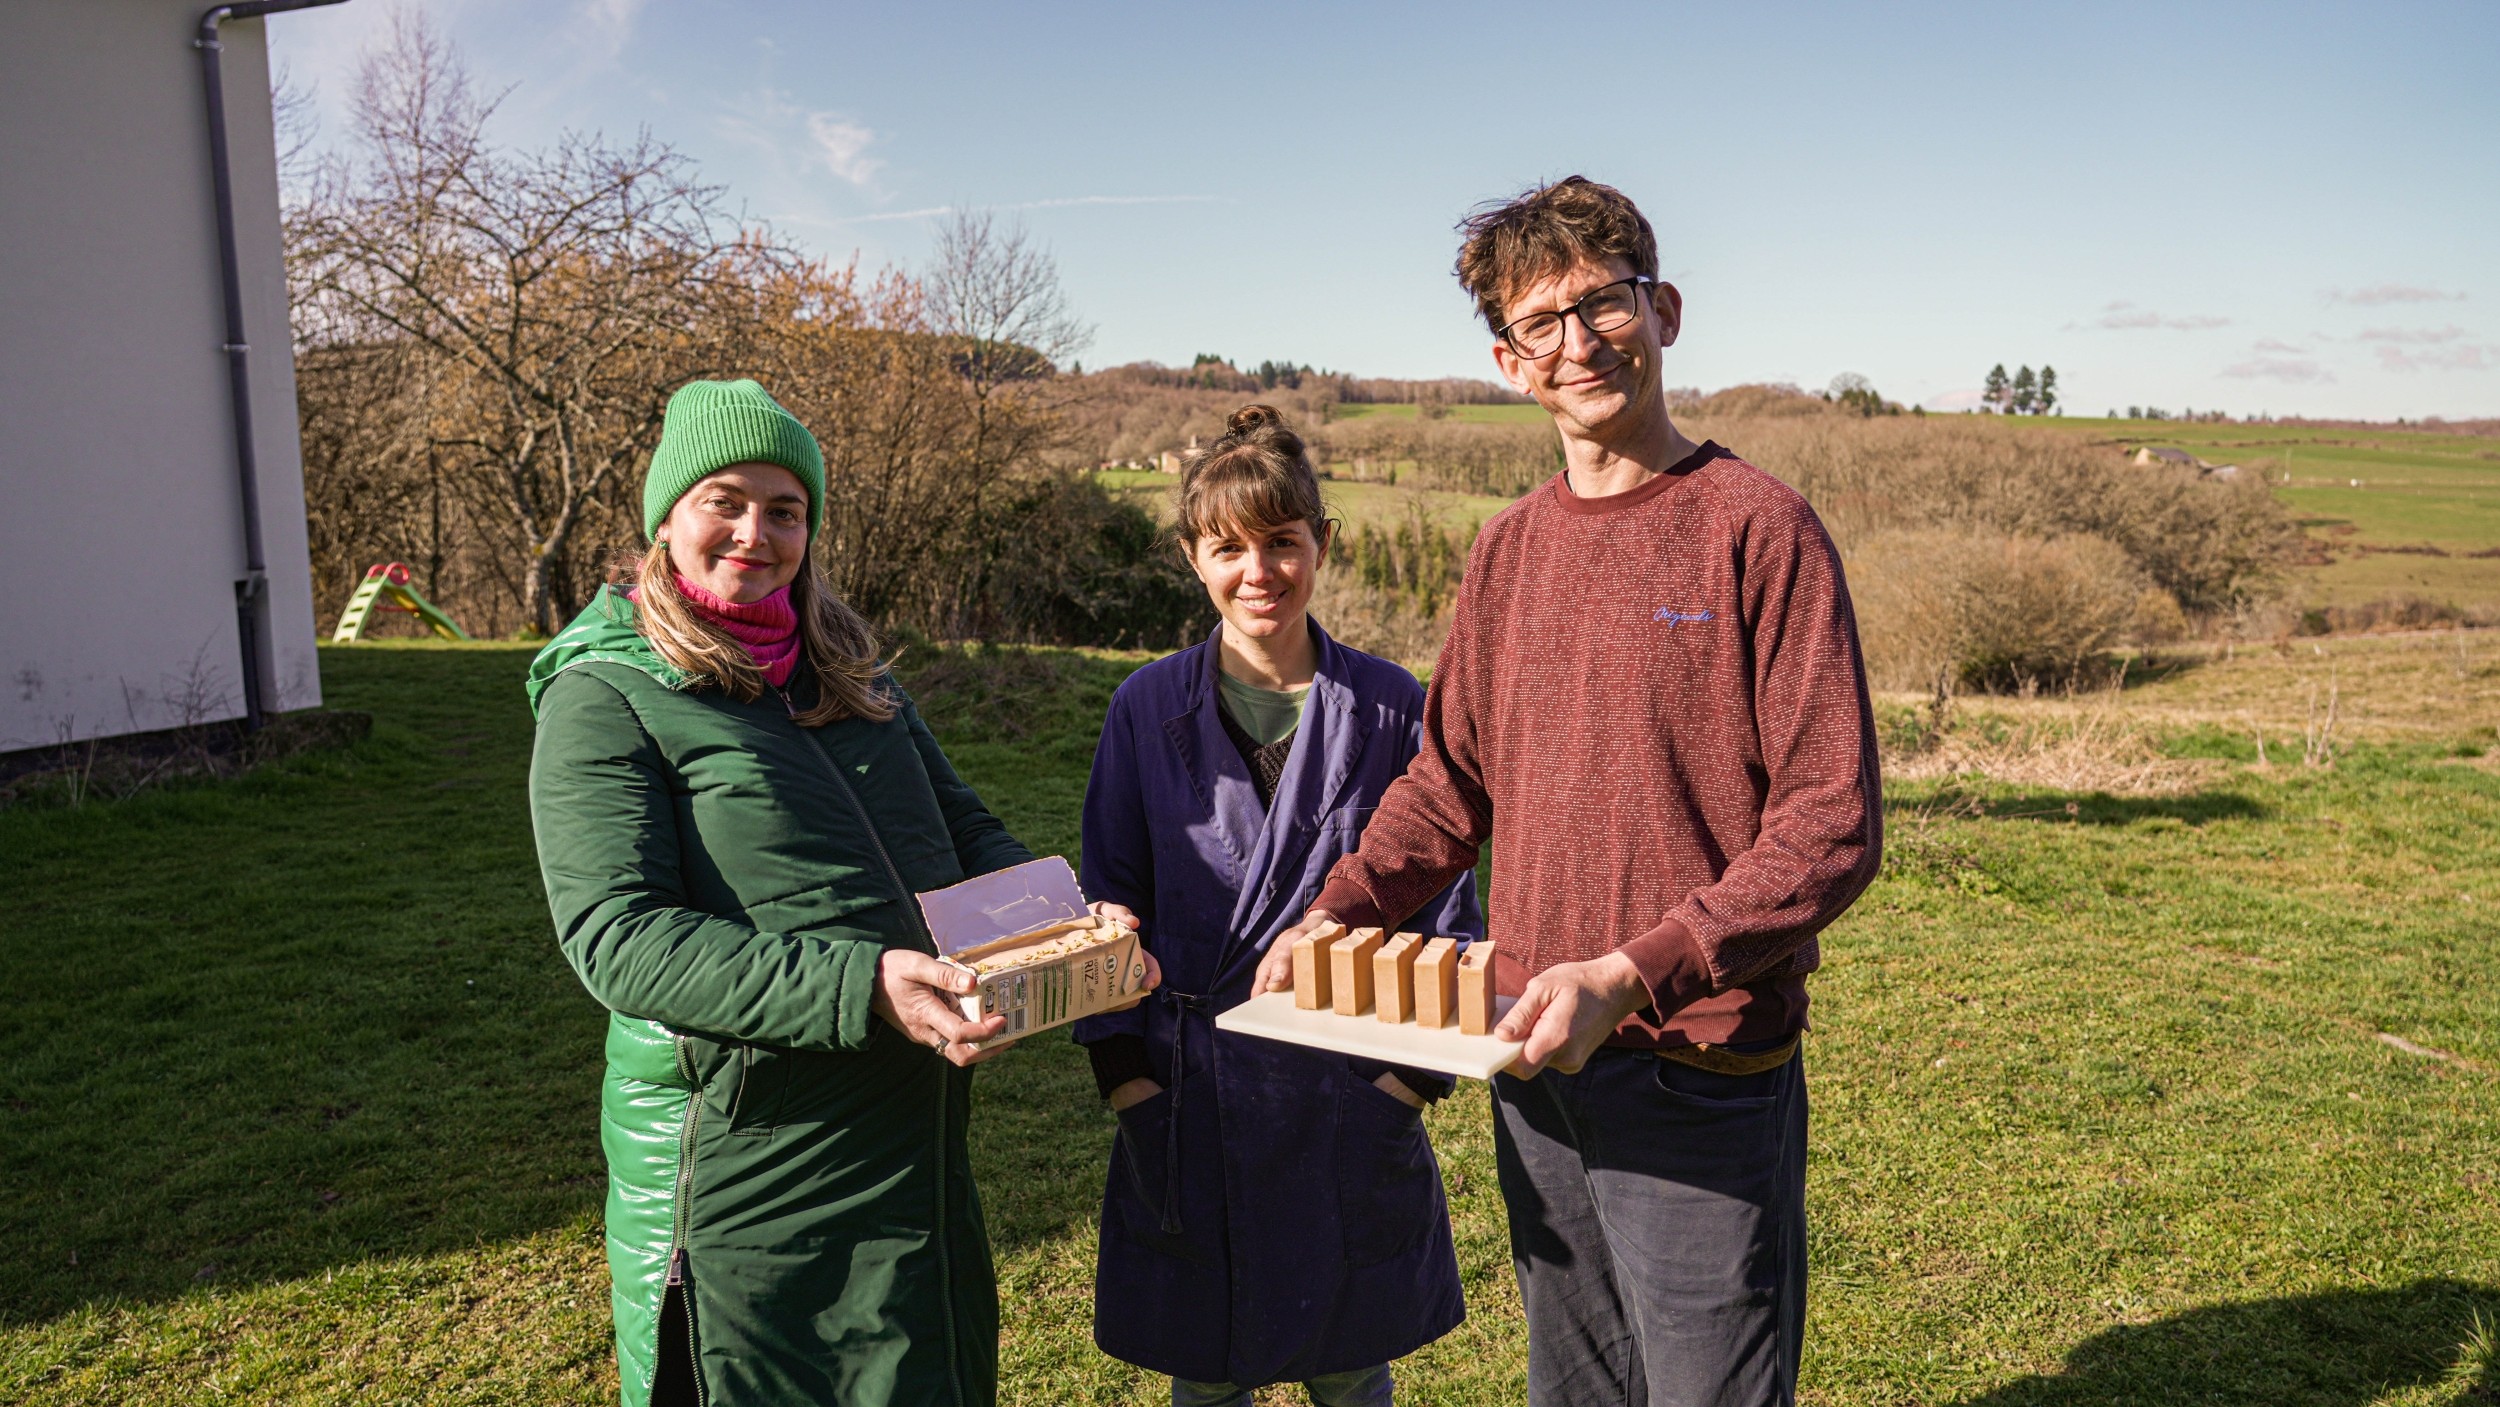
121,528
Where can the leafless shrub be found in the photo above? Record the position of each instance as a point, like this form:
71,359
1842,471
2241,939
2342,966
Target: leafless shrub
1381,620
1449,455
2393,612
2037,611
2008,557
2317,734
1939,609
1761,401
2215,545
97,770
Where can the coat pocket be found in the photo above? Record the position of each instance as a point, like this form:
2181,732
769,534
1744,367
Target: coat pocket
763,1074
1156,1209
1388,1186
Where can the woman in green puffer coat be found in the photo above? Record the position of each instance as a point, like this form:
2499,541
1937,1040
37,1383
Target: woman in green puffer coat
735,806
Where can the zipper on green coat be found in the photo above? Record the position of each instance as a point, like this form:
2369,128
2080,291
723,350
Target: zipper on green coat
679,1274
946,1084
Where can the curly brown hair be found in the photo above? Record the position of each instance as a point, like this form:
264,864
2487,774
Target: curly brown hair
1507,245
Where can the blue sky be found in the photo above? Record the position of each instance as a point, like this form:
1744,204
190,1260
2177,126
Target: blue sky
2275,208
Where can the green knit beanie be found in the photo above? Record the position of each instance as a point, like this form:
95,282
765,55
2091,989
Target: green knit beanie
711,425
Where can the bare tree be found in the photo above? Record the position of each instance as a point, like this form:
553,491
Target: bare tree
563,294
486,341
992,289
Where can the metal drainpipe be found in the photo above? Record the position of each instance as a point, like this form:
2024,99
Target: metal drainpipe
251,593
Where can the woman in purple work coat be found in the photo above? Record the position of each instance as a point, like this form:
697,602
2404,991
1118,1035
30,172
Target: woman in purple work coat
1273,1212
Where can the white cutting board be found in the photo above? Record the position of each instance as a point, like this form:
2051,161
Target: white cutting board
1274,1016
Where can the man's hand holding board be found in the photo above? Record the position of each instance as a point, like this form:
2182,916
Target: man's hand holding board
1559,1021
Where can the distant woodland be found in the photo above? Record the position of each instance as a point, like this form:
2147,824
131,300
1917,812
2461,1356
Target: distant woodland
485,339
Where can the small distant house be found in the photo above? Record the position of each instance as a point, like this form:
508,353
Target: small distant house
2149,455
1171,461
2222,471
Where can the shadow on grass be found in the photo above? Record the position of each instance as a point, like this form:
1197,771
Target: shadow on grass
315,1016
1906,806
2101,809
2337,1349
299,1019
2156,665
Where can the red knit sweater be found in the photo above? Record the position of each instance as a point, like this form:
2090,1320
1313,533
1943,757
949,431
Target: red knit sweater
1654,706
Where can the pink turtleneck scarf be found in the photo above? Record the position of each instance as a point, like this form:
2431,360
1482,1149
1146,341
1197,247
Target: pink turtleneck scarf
768,628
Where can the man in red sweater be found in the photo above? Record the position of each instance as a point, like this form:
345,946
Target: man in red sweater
1652,692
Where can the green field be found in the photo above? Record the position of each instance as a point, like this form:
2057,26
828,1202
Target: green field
2110,1105
2395,512
2362,490
1379,505
1515,414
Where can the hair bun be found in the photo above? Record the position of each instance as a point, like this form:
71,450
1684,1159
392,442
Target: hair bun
1250,419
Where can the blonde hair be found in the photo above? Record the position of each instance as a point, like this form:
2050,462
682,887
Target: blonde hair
833,640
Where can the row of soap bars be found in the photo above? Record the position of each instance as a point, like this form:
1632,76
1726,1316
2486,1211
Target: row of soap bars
1405,978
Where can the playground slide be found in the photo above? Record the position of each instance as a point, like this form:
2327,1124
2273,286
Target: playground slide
386,588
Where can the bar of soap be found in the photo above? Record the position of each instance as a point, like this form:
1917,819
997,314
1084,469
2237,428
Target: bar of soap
1475,989
1393,977
1311,968
1436,984
1352,979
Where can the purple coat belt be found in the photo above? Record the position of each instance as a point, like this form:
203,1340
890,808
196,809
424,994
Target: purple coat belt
1271,1215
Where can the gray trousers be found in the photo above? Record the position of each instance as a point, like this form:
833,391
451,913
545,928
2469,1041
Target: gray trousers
1658,1225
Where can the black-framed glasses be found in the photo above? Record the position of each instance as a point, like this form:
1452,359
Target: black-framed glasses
1540,335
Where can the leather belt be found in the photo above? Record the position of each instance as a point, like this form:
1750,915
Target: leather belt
1720,1060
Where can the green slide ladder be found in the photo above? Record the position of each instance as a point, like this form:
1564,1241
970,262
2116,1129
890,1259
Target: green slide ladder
386,588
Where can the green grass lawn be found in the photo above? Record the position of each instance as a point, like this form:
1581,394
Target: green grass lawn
2109,1105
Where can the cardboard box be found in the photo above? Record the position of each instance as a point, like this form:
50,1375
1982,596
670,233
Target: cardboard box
1042,958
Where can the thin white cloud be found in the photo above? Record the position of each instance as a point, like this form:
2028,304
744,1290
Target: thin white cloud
2127,317
2412,336
1971,399
2379,295
1055,203
2270,344
2465,358
843,147
802,138
607,25
2298,371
